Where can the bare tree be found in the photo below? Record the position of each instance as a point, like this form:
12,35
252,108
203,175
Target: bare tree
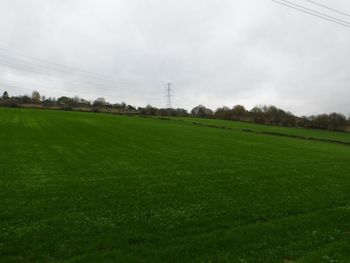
36,96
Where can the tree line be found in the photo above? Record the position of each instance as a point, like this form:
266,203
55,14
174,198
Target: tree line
259,114
64,102
274,116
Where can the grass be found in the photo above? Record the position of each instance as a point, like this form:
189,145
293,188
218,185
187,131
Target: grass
239,126
84,187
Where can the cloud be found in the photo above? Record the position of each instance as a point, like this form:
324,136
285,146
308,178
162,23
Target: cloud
215,52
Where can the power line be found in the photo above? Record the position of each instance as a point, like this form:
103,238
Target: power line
72,75
316,12
67,82
29,65
313,13
40,72
52,72
49,77
59,67
87,90
327,7
71,86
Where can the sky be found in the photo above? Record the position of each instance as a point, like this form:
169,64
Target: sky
215,53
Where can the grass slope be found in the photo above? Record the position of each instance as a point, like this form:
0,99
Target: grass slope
84,187
239,126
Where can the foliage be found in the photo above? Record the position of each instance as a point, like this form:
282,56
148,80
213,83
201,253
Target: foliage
202,111
5,95
263,114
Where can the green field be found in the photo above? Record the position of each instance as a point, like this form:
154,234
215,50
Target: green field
239,126
85,187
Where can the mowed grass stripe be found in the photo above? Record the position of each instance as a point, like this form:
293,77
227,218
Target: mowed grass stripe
82,187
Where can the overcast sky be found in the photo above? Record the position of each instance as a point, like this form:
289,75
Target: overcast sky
215,52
